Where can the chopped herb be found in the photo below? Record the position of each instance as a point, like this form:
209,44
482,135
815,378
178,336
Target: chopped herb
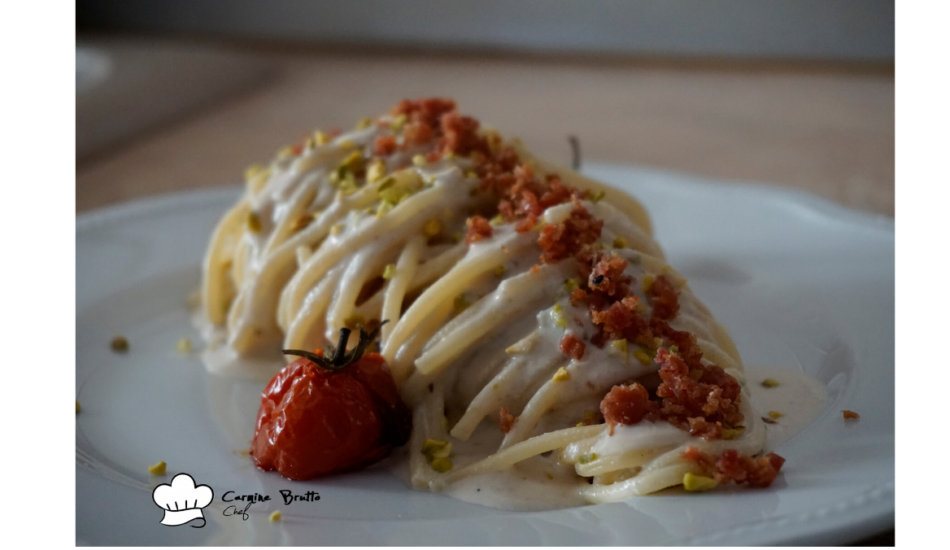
441,465
253,222
352,163
697,483
643,357
348,185
384,208
732,433
497,220
596,196
363,123
398,123
432,228
400,186
620,242
321,138
770,383
621,347
647,283
376,171
183,346
436,448
560,318
120,344
430,445
775,415
389,272
386,184
438,453
585,459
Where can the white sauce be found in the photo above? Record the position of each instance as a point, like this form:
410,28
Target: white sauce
527,487
221,359
538,483
799,397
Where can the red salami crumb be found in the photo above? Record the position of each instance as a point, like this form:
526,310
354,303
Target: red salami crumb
506,420
478,229
573,346
732,466
385,145
628,405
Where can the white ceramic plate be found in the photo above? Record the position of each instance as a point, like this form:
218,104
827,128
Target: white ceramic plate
801,283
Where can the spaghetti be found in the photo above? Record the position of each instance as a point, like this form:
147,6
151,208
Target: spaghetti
510,284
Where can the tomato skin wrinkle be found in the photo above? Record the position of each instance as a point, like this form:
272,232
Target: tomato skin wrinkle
314,422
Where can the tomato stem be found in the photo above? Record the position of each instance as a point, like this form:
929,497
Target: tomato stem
337,357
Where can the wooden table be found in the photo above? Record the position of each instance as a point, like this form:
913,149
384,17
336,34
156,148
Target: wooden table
828,129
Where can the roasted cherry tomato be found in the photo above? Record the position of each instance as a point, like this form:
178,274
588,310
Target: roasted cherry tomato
321,415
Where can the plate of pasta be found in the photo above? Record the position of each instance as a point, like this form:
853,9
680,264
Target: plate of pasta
419,325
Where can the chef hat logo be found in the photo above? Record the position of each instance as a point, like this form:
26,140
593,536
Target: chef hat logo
181,500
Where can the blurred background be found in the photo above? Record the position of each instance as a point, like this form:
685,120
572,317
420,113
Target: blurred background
180,94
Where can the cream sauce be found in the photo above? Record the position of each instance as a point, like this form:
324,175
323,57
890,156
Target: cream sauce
798,397
542,483
220,358
321,303
539,483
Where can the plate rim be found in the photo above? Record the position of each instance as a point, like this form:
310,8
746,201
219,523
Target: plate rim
826,530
